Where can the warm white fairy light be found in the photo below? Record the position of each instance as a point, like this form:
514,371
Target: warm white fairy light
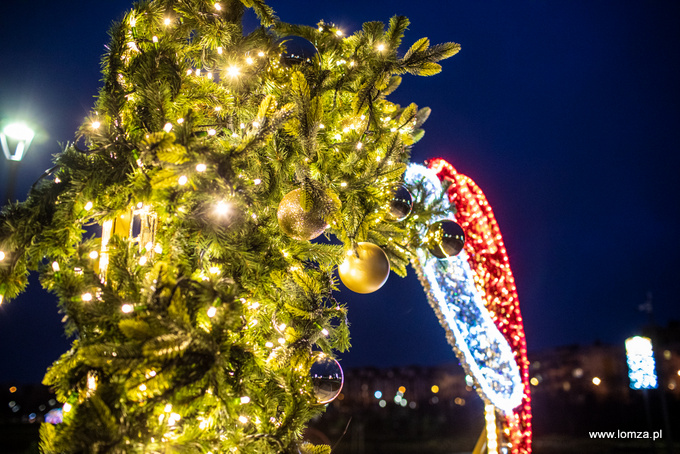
269,344
260,54
167,21
142,387
281,340
233,71
360,145
214,270
67,407
180,121
222,208
249,60
324,332
133,21
321,126
491,436
380,47
86,297
245,400
167,127
127,308
343,184
143,260
189,72
219,50
2,256
55,267
88,206
209,75
96,124
198,72
168,408
182,180
257,181
243,419
148,246
158,249
212,311
201,167
94,255
212,132
338,32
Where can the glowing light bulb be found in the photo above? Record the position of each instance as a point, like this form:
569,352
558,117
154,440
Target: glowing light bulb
142,387
222,208
218,7
86,297
233,71
154,39
381,47
269,344
219,50
260,54
168,408
343,184
88,206
167,127
158,249
180,121
257,181
94,255
249,60
182,180
338,32
245,399
2,256
143,260
96,125
212,132
214,270
67,407
243,419
127,308
201,167
167,21
55,267
212,311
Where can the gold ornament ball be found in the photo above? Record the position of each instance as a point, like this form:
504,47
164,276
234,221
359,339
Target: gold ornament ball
295,221
445,239
366,269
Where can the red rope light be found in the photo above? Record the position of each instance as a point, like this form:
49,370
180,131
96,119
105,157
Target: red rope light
489,261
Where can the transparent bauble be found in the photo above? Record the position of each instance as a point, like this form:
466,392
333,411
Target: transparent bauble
297,50
445,239
327,378
400,205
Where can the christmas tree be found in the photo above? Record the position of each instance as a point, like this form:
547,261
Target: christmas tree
177,229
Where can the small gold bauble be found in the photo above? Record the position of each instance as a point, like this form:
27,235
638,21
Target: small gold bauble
295,221
445,239
366,269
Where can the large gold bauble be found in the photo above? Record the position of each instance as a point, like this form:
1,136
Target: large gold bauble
366,270
295,221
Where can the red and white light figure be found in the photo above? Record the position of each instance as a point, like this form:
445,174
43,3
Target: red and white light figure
493,277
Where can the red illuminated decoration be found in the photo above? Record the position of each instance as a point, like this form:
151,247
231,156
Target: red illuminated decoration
489,262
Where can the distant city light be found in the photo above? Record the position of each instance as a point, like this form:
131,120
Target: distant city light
641,365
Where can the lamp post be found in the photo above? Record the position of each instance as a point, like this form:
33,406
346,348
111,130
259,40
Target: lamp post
15,139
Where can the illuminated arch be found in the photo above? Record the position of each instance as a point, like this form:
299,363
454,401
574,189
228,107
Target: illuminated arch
488,260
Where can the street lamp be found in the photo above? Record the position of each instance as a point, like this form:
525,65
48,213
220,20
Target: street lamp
15,139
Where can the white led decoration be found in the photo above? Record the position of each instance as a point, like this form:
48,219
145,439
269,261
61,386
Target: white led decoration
641,365
451,291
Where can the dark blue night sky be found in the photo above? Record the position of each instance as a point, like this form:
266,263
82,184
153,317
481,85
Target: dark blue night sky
566,113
